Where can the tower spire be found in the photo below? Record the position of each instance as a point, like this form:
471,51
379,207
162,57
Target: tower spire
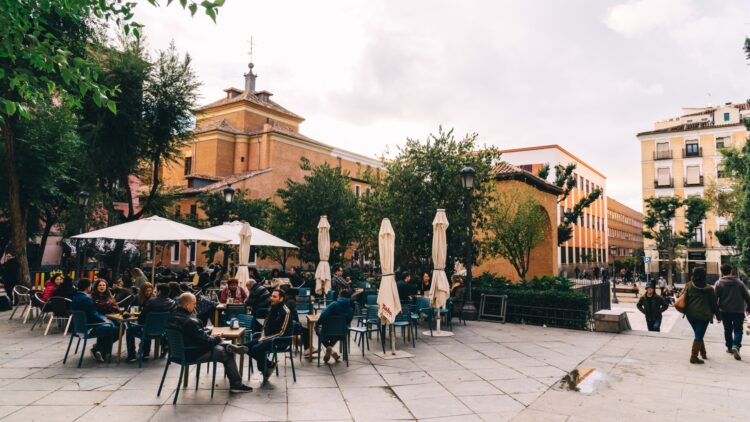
250,76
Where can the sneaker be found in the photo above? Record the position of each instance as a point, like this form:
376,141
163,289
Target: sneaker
242,388
327,356
131,359
233,348
145,358
336,356
97,355
729,351
736,353
271,368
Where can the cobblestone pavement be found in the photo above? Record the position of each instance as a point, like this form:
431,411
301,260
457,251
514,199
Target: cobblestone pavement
487,371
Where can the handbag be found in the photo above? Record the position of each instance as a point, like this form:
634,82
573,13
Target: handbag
681,303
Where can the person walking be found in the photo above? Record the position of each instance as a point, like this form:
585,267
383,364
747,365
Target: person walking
700,310
733,300
662,285
652,306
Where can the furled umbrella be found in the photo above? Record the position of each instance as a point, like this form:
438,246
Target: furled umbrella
389,303
244,250
440,289
323,272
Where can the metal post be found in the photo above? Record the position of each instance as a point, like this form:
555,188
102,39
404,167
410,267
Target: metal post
470,309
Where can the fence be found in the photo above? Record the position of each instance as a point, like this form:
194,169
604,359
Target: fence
552,317
598,291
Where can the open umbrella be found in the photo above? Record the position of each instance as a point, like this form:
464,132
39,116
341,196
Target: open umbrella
231,231
389,304
440,289
152,229
245,238
323,272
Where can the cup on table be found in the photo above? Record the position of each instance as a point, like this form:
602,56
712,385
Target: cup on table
230,301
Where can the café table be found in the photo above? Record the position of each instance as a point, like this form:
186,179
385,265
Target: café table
312,320
217,312
122,320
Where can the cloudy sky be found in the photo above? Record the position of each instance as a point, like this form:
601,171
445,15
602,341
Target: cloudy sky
587,75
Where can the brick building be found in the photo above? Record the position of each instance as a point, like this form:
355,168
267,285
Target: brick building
624,230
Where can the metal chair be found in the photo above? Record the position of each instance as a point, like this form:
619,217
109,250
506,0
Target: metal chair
246,322
334,327
20,296
59,309
403,320
153,328
177,355
40,306
81,330
281,345
234,309
369,324
304,305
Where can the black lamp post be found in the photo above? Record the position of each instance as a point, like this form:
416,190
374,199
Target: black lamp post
83,201
467,181
612,252
228,198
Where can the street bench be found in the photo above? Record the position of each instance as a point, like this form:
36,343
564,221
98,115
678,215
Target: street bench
627,289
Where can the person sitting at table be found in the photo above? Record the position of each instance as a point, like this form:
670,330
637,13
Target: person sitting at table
291,303
160,303
278,323
120,291
405,287
233,291
127,278
50,286
104,333
258,300
424,286
65,289
138,278
295,278
144,294
202,280
457,294
199,345
343,306
339,283
174,290
104,301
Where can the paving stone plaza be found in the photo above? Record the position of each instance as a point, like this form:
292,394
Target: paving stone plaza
486,372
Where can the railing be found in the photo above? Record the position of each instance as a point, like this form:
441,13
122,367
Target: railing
663,155
551,317
692,152
599,293
696,244
657,183
698,182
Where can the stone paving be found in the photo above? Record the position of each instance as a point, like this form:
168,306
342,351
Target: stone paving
486,372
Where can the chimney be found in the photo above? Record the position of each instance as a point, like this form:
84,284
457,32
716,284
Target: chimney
250,79
264,96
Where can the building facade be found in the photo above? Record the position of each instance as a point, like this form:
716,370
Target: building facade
588,248
624,231
682,156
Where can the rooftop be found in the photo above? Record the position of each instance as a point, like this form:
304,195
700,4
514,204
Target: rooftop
690,127
507,171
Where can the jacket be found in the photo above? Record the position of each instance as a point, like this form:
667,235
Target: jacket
701,302
652,306
258,298
156,304
105,303
196,340
239,295
278,322
405,289
49,290
343,306
82,302
732,295
340,284
204,281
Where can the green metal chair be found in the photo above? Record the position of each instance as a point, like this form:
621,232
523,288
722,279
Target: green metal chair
82,330
369,324
334,327
281,345
153,328
233,310
177,355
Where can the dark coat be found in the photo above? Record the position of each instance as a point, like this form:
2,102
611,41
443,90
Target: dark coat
156,304
405,289
193,334
732,295
278,323
258,298
701,302
83,302
343,306
652,306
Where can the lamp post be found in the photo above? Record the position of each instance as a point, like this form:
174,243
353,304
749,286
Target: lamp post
228,198
83,201
613,251
467,181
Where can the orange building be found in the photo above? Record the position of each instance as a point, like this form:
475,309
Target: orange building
625,230
248,141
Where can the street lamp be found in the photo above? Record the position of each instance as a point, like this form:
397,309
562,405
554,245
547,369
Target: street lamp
612,252
228,197
83,201
467,181
228,194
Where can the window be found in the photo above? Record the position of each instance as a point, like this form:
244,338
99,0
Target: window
726,117
663,177
721,171
191,251
723,142
357,189
525,167
698,238
177,211
193,211
188,165
663,151
692,149
692,176
176,252
563,257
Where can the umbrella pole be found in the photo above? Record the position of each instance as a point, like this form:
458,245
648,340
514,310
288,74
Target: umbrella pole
153,262
393,340
437,319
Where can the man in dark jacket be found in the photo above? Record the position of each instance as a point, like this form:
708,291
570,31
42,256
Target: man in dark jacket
652,306
204,281
405,287
258,300
199,344
10,274
160,303
734,301
104,333
278,323
344,307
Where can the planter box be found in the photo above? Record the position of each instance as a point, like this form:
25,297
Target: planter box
607,321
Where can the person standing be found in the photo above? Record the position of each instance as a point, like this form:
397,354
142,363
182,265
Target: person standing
652,306
10,273
577,271
733,300
339,283
662,285
700,310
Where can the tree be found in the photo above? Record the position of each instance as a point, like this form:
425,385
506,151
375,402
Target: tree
737,163
280,226
516,225
422,178
44,54
324,191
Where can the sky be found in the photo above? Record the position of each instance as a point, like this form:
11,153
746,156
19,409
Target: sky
366,75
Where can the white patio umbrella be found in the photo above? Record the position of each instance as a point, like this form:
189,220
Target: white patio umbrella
440,289
323,272
152,229
231,231
245,240
389,303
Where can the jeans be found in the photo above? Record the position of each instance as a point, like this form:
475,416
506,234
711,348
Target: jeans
732,329
654,325
257,351
133,332
105,335
226,359
699,327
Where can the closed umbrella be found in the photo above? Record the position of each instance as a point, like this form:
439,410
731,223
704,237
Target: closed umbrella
245,238
323,272
440,289
389,304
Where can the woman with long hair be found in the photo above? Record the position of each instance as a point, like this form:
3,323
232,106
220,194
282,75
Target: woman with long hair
65,289
104,301
144,293
138,277
700,310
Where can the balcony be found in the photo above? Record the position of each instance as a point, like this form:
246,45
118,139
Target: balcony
695,151
663,155
694,182
663,183
696,244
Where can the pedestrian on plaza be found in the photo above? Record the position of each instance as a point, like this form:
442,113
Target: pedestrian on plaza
343,306
652,306
701,307
278,323
104,333
204,348
733,300
577,271
596,273
662,284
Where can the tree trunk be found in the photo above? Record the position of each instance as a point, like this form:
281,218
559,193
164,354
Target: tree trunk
119,246
49,221
17,223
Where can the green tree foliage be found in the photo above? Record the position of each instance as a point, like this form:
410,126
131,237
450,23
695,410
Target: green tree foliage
737,162
420,179
324,191
516,225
